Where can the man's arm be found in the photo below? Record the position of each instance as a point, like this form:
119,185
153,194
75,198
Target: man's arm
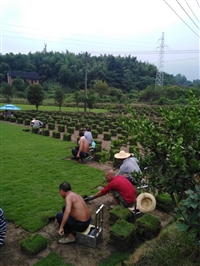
97,195
65,216
80,147
93,196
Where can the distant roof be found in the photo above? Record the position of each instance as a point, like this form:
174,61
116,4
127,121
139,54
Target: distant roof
24,75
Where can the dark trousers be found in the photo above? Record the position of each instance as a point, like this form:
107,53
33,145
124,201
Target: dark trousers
82,154
72,224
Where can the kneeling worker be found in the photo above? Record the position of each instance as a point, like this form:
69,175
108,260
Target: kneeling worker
82,150
122,190
75,216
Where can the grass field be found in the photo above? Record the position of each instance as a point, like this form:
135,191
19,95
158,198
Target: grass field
27,107
31,170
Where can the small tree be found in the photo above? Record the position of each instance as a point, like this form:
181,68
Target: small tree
78,97
101,87
91,99
35,94
59,97
18,84
7,92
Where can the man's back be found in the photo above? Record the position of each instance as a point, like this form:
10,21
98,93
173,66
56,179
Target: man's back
128,166
123,186
84,145
79,209
88,136
37,123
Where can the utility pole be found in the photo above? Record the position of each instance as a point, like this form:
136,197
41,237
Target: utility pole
159,75
85,104
45,48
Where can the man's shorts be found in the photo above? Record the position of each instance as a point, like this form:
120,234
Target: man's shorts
121,200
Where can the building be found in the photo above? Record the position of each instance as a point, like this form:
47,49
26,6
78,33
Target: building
30,77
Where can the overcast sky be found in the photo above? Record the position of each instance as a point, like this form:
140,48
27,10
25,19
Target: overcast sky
118,27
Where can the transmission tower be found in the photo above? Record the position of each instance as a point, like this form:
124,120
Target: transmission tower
45,48
159,74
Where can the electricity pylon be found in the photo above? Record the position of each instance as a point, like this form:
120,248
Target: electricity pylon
160,74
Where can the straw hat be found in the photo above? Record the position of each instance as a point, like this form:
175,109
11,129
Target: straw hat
33,120
122,155
146,202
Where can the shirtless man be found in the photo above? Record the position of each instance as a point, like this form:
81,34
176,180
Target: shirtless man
75,216
82,150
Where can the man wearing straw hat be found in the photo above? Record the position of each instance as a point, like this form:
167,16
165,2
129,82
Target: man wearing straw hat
128,166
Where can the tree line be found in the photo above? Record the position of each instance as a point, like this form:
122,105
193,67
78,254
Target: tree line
124,73
109,78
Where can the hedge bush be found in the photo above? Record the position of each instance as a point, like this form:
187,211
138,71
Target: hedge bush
56,134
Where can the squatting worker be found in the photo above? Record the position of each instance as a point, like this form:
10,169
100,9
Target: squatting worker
82,150
129,165
122,190
36,123
75,216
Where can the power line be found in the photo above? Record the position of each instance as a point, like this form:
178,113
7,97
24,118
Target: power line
192,11
115,51
195,58
182,19
93,36
187,14
197,3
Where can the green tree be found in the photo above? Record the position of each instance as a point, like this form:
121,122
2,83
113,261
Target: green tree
59,97
18,84
7,91
79,97
91,98
170,149
101,87
116,93
35,94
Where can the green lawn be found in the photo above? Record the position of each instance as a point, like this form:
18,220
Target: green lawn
27,107
31,170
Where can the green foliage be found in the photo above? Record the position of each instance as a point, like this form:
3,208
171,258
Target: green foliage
59,97
79,97
169,248
101,87
170,149
7,91
115,146
35,94
18,84
190,211
91,99
116,258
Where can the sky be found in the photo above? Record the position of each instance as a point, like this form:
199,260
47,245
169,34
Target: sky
165,33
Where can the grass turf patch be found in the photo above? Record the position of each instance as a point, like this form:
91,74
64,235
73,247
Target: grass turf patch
33,244
31,171
51,260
